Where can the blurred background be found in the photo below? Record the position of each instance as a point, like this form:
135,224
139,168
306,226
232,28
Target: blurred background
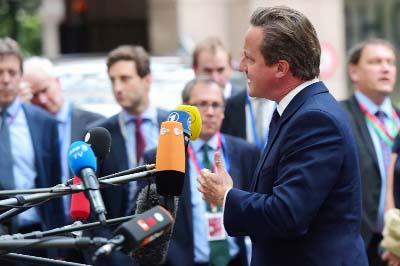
77,34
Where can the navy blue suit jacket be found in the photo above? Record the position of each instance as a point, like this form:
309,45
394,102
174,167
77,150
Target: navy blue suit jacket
44,133
305,204
243,158
116,197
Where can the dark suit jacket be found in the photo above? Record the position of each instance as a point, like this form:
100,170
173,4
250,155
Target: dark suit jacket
44,133
80,119
305,208
234,122
116,197
243,159
371,178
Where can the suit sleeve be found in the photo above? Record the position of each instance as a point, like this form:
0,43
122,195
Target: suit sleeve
309,163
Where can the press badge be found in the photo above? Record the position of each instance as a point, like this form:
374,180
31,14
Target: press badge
216,230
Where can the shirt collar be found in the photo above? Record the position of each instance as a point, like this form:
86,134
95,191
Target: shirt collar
386,105
227,90
213,143
149,114
289,97
13,107
64,113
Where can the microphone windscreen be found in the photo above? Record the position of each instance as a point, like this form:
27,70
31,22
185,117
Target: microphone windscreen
170,159
196,123
80,205
155,252
182,117
99,139
81,156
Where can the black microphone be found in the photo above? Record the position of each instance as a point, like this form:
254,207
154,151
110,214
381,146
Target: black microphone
83,164
99,139
155,252
138,232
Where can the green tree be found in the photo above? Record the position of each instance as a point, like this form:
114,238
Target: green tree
19,20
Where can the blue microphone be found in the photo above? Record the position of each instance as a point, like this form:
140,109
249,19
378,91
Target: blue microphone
82,162
185,119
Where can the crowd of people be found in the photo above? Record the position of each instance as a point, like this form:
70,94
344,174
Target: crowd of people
306,178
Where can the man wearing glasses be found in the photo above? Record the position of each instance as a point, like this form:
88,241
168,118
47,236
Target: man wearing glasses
199,237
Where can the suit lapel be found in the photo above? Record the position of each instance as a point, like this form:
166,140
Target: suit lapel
362,128
293,106
34,130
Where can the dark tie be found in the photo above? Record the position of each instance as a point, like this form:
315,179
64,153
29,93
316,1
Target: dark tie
386,151
140,141
219,249
6,158
273,124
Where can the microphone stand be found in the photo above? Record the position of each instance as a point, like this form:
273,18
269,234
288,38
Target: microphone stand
20,240
66,229
15,257
22,201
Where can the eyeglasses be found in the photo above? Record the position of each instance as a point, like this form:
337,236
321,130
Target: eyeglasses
204,106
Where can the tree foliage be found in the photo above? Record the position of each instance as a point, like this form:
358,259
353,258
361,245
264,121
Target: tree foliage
20,21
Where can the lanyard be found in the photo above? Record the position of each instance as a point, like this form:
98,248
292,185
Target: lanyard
380,128
220,147
257,139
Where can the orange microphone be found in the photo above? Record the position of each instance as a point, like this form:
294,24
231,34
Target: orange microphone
170,159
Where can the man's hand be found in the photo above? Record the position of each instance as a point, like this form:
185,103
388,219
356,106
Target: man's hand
214,185
25,91
392,259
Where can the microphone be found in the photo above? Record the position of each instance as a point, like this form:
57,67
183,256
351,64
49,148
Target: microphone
184,118
138,232
80,205
99,139
196,122
170,159
155,253
83,164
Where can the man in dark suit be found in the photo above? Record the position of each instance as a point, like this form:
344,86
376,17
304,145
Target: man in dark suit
190,244
304,207
28,145
372,69
211,58
248,118
46,92
133,130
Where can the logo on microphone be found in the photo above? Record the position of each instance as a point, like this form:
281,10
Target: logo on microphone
174,116
177,131
164,131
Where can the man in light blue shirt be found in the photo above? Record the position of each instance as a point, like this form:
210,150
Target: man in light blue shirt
30,137
375,121
198,234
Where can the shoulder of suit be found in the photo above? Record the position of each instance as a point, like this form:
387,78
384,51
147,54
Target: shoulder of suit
33,111
238,142
83,112
107,123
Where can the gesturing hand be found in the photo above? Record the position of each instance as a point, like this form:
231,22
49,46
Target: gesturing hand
214,185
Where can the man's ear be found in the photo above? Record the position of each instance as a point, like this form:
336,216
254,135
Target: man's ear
353,72
282,68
